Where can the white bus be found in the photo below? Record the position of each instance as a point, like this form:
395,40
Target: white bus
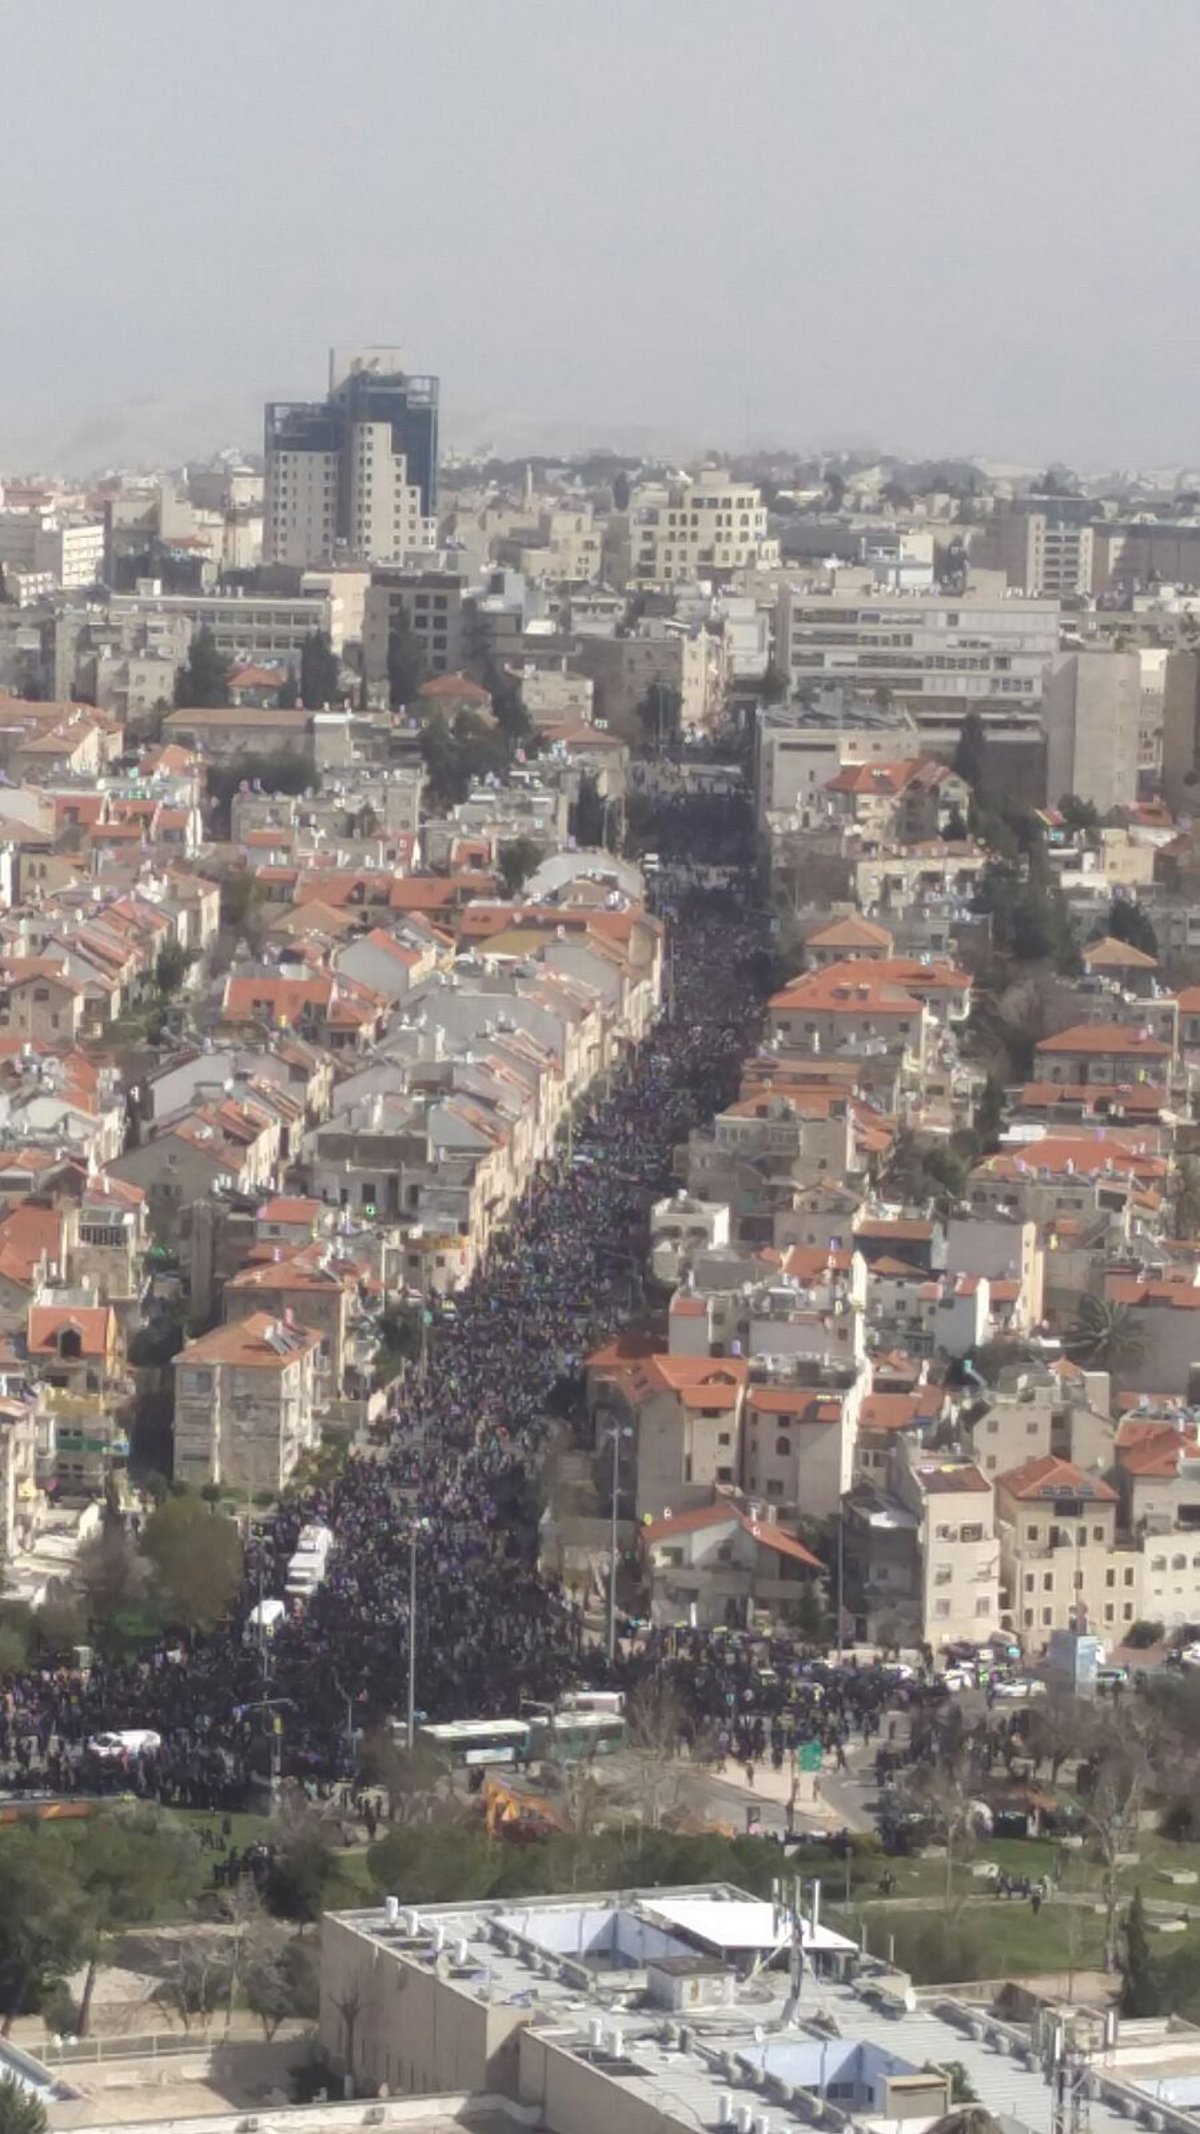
469,1744
575,1737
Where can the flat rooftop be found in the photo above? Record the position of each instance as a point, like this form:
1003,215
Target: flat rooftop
743,2050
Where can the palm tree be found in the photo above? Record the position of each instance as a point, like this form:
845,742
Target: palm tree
1107,1335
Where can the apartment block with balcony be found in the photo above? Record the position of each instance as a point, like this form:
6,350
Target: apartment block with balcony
1062,1566
681,531
246,1404
959,1551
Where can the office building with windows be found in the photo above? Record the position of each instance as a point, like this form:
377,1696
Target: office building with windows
353,478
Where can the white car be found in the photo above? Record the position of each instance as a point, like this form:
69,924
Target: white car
1190,1656
960,1678
133,1741
1017,1692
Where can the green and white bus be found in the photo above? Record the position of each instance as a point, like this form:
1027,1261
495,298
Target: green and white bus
574,1737
470,1744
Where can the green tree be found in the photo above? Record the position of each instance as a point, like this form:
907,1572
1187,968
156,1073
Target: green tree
196,1559
518,860
405,661
42,1923
589,824
620,490
303,1877
288,691
660,712
1141,1989
21,2110
1130,923
1030,920
989,1114
280,1981
508,709
970,755
320,671
132,1865
202,683
1107,1335
285,770
171,967
434,1863
443,762
111,1575
1078,815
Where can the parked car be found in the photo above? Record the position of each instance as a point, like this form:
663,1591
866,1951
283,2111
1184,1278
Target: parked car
131,1741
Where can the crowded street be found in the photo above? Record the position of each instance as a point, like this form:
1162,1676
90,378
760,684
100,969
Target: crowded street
457,1482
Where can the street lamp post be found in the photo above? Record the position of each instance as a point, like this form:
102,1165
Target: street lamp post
614,1434
410,1723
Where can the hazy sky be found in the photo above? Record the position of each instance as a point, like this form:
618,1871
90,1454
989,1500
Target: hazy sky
936,225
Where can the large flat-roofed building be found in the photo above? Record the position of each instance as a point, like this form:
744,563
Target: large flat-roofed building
246,626
630,2013
938,653
700,2008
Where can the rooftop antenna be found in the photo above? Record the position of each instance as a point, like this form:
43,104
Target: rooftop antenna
789,1922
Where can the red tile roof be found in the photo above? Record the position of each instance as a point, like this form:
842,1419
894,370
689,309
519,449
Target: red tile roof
1045,1478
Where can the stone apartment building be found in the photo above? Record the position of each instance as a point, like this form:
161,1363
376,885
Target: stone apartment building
1061,1564
247,1404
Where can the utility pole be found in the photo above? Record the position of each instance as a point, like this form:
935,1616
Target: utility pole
616,1432
840,1595
612,1551
410,1728
789,1915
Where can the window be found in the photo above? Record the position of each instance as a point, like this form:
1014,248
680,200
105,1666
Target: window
983,1607
1047,1615
1029,1581
941,1609
1110,1578
1128,1578
782,1448
1097,1533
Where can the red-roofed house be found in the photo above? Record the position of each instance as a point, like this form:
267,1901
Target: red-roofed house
1062,1567
852,937
245,1403
75,1347
798,1446
723,1561
686,1412
1102,1052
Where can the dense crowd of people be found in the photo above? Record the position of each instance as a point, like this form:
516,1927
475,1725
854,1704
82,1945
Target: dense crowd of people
457,1480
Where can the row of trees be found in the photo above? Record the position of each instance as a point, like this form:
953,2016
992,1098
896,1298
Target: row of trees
66,1892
